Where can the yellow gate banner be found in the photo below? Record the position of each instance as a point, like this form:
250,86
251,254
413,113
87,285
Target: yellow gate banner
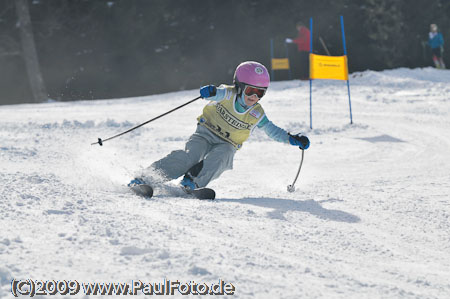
280,63
328,67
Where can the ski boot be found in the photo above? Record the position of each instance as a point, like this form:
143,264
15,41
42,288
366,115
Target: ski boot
187,184
135,182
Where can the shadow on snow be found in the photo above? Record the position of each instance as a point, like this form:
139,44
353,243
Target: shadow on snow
281,206
381,138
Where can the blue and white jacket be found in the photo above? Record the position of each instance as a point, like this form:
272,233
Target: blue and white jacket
274,132
435,40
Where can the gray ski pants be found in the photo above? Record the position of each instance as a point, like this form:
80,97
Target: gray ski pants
216,153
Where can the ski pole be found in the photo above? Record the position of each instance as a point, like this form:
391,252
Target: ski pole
101,141
291,188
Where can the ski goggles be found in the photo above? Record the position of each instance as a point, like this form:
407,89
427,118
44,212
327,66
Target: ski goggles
252,90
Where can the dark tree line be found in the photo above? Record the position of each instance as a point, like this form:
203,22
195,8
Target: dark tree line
121,48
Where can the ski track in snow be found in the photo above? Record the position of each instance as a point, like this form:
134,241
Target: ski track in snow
370,217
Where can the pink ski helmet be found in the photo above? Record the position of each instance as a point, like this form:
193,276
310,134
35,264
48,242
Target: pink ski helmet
251,73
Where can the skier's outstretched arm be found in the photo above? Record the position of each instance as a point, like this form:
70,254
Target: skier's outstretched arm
278,134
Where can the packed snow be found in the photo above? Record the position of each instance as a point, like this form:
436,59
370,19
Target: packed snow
370,217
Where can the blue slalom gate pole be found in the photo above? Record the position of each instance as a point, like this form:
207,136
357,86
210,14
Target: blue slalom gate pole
310,80
271,57
348,81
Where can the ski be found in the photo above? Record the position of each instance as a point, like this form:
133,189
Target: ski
204,193
146,191
201,193
143,190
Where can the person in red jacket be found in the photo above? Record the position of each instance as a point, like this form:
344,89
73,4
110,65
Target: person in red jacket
300,63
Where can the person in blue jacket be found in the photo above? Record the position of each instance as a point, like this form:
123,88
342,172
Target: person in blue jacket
232,114
436,42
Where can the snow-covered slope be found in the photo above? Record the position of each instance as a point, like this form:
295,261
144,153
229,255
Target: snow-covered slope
370,217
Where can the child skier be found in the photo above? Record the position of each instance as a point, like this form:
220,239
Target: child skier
226,122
